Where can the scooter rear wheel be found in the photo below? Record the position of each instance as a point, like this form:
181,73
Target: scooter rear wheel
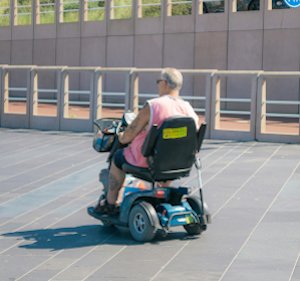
139,224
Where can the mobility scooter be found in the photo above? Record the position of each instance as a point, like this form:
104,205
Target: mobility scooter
171,152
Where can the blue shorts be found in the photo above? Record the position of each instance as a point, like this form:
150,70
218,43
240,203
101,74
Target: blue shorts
119,158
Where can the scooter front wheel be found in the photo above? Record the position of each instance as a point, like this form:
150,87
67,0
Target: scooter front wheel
139,224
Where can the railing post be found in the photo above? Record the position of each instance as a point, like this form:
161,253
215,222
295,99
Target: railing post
37,15
65,94
216,104
200,7
5,91
98,96
61,8
135,93
139,9
15,12
34,93
111,10
262,96
85,11
127,90
169,8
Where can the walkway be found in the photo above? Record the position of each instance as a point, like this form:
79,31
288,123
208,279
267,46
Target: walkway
47,179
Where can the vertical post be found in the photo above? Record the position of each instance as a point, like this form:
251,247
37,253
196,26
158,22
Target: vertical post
135,94
200,7
58,87
139,9
234,6
61,9
85,11
5,91
169,8
269,5
37,17
15,12
127,90
253,106
98,93
35,93
112,12
208,88
216,100
66,94
91,98
263,119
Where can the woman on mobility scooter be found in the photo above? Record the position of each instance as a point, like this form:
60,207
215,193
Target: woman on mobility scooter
155,111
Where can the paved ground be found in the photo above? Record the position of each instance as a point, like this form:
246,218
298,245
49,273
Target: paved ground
47,180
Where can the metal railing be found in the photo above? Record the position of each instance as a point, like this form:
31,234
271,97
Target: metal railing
141,5
7,14
17,14
262,114
62,11
128,99
170,3
113,7
39,12
216,130
99,104
87,9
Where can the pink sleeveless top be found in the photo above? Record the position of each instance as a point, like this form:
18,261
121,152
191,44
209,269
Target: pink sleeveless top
160,109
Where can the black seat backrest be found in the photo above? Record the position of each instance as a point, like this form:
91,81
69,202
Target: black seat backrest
172,146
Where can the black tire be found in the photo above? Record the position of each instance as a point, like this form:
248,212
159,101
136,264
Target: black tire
139,224
254,5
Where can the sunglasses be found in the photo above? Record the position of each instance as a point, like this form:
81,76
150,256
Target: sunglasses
157,81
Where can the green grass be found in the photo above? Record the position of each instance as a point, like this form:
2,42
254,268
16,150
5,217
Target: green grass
181,9
150,11
4,21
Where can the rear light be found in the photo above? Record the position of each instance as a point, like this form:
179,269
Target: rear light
160,193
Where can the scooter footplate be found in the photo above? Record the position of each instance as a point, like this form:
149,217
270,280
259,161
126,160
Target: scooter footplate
106,218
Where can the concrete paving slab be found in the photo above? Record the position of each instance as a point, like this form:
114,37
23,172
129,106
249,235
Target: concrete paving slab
252,190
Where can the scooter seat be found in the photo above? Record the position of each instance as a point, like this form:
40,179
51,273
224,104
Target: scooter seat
152,176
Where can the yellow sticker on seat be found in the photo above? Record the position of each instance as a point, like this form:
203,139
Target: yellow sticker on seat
174,133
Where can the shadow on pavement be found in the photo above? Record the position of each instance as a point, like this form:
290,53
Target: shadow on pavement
86,236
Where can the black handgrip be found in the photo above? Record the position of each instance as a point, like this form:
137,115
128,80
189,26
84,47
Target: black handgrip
149,141
200,136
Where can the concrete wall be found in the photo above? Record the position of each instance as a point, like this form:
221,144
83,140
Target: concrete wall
250,40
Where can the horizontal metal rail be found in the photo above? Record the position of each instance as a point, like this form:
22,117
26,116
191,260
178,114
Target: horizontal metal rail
16,99
151,4
199,109
4,15
94,1
1,8
234,100
90,9
147,95
46,90
72,10
234,112
22,14
111,94
112,104
193,98
281,115
48,4
71,2
180,2
78,92
125,6
16,89
78,102
45,101
282,102
24,6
